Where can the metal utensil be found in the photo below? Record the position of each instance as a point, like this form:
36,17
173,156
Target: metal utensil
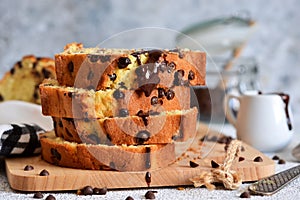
272,184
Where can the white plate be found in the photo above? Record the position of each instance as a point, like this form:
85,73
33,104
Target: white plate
24,112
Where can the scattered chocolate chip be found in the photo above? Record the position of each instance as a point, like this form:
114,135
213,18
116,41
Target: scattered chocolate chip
70,94
241,159
90,76
142,137
281,161
38,195
118,94
28,168
214,164
129,198
170,94
44,172
87,190
71,66
275,157
193,164
161,92
191,75
112,165
123,62
94,58
100,191
245,194
112,77
258,159
178,76
144,116
163,66
171,67
149,195
148,178
12,71
104,58
154,100
50,197
1,98
123,112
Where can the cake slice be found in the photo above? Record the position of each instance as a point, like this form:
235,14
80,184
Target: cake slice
70,102
23,80
57,151
161,128
101,69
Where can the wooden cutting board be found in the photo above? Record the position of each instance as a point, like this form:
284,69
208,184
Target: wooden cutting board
177,174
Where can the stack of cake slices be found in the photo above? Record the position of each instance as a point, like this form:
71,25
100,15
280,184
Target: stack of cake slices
120,109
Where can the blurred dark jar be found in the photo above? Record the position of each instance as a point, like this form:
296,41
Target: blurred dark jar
240,77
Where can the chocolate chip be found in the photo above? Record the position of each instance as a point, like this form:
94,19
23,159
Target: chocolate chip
44,172
154,100
142,137
148,178
149,195
171,67
28,168
258,159
241,159
50,197
1,98
46,73
144,116
178,77
191,75
118,94
36,95
281,161
90,76
12,71
193,164
170,94
71,66
245,194
112,77
55,153
123,112
70,94
129,198
104,58
87,190
163,66
100,191
275,157
243,148
161,92
112,165
214,164
38,195
123,62
94,58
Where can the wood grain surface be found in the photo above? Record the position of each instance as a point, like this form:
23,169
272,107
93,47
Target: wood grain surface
177,174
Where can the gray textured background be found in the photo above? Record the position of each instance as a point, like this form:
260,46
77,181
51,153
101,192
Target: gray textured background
44,27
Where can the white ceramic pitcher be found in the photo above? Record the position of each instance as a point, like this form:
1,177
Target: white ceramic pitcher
262,120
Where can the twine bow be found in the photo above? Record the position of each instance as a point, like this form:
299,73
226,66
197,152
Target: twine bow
230,178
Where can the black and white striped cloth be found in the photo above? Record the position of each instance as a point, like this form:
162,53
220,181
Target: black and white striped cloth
20,139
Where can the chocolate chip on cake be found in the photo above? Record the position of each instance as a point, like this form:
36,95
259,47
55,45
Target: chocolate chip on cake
55,153
104,58
150,195
71,66
154,100
161,92
90,76
142,137
170,94
193,164
44,172
258,159
118,94
241,159
112,77
87,190
171,67
214,164
191,75
123,62
123,112
93,58
38,195
50,197
28,168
